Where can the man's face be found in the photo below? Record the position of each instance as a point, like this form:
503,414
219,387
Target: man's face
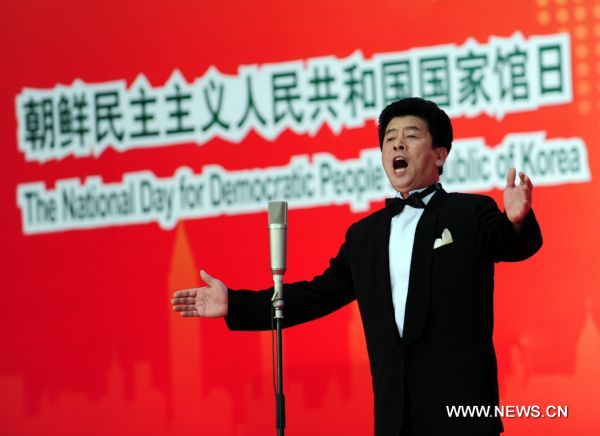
409,159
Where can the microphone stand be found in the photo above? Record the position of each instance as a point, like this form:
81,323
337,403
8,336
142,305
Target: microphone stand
278,242
278,304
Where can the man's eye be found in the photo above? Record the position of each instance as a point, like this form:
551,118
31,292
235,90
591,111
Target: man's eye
390,139
412,136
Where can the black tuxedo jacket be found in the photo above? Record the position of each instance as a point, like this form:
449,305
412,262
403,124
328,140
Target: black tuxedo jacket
446,355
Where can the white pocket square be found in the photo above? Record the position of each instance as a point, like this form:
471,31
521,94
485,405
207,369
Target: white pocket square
444,240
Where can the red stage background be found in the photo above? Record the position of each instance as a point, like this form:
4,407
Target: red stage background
89,344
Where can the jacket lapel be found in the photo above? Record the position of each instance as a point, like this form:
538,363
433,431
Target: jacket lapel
419,284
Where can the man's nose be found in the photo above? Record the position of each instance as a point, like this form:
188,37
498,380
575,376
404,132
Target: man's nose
400,143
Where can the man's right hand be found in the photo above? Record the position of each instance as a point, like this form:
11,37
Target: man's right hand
209,301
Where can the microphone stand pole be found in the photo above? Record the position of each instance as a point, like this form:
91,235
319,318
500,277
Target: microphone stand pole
278,304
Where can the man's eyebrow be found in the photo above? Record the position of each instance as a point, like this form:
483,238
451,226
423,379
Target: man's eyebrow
395,130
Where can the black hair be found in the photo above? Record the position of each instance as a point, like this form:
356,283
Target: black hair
437,120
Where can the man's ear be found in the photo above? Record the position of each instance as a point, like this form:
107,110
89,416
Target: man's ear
441,154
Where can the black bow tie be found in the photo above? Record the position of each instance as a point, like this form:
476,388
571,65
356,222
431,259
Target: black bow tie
415,200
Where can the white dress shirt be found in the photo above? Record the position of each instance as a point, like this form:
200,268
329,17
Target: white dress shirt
402,238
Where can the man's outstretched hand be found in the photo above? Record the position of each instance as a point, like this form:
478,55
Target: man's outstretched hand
517,199
209,301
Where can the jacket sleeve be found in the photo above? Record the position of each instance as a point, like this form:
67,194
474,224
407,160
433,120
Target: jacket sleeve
304,301
498,240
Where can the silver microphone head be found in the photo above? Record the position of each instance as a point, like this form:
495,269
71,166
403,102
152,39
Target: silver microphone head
278,212
278,236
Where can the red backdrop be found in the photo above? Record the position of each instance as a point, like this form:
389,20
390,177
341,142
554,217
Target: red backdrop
89,345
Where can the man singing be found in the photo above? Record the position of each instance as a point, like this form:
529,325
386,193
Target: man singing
422,271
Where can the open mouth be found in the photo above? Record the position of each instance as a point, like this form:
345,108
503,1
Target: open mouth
399,163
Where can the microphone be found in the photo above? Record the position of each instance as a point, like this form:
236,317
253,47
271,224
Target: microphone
278,236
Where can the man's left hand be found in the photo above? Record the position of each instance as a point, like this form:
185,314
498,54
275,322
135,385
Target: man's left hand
517,199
